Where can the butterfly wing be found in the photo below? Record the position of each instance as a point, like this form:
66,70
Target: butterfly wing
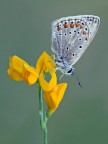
72,35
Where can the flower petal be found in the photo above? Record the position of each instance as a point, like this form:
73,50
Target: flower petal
54,97
48,86
20,70
17,63
29,74
45,63
13,74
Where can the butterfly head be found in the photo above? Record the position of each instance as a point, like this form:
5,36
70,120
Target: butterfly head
70,71
67,71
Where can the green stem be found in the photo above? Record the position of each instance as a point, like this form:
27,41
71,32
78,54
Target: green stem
45,129
41,107
43,122
45,135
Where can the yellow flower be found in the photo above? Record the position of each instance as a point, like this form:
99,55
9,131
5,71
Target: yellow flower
53,93
20,70
54,97
46,65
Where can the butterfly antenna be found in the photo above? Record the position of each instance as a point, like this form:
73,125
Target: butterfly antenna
78,80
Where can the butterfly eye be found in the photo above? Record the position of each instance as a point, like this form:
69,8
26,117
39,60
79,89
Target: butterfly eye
73,54
69,71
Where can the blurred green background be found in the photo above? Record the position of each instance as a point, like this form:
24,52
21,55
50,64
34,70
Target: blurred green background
82,117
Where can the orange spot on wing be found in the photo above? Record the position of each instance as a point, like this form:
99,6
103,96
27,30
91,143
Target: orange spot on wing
81,26
65,25
77,24
72,25
84,32
58,28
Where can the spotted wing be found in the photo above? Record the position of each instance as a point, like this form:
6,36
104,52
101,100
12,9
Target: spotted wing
72,35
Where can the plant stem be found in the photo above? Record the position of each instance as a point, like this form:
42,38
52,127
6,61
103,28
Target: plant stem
41,113
45,129
45,135
41,107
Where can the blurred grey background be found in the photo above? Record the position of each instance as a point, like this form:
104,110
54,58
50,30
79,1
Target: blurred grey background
82,117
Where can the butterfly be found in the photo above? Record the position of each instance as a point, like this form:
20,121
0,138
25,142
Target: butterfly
70,38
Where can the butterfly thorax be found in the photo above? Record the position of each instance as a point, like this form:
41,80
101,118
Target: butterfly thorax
64,67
